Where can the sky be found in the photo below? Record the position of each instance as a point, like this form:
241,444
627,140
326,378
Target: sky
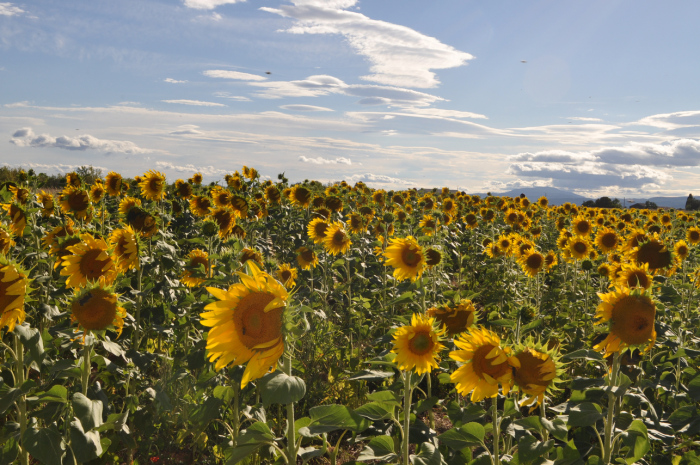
598,97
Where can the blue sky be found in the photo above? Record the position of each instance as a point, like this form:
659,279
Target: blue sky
597,97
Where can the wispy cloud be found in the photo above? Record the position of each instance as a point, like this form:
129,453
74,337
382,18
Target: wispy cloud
8,9
238,98
304,108
207,170
326,161
679,119
371,178
24,103
584,118
208,4
197,103
399,55
60,168
187,129
174,81
25,137
237,75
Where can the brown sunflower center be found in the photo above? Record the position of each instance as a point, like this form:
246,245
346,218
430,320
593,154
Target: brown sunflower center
580,247
633,319
638,278
255,324
339,238
432,257
583,227
286,275
307,255
320,229
421,343
655,254
532,370
78,201
694,235
95,310
483,365
410,257
534,261
609,240
91,266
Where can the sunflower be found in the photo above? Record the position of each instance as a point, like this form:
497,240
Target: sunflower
607,240
13,291
183,189
317,230
195,259
6,241
471,220
272,194
532,263
454,320
60,249
75,201
72,179
356,223
433,257
19,194
655,253
247,324
88,262
306,258
681,250
143,222
511,217
234,181
127,203
153,185
582,226
634,276
579,247
113,183
196,179
240,206
225,219
96,309
18,218
630,315
407,258
200,205
485,364
693,235
125,249
337,241
334,203
287,275
505,244
220,196
47,204
238,231
428,224
300,196
543,202
250,254
97,192
536,372
417,345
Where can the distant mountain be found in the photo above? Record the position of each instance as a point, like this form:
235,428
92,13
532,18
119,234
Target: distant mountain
554,195
670,202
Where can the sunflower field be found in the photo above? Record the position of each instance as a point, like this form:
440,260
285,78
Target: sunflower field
257,322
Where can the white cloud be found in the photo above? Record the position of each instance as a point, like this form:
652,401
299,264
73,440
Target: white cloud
129,103
225,74
212,17
174,81
227,95
208,4
205,170
304,108
187,129
591,176
375,178
8,9
25,137
59,168
196,103
679,119
583,118
399,55
24,103
325,161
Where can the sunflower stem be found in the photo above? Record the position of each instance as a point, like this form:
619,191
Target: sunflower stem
609,422
291,442
85,378
21,402
236,414
496,433
431,414
406,415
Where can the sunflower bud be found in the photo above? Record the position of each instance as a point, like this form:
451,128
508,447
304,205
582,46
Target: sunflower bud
210,229
388,217
586,265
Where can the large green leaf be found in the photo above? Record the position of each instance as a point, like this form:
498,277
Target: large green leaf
584,414
327,418
636,439
85,446
471,434
45,444
376,411
379,448
280,388
428,455
249,441
89,412
530,449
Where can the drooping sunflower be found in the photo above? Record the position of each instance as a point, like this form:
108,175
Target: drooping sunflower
356,223
47,204
113,182
433,257
19,194
300,196
153,185
454,320
75,201
485,364
6,241
95,308
18,218
200,205
532,262
88,262
240,205
306,258
334,203
287,275
125,251
142,221
406,256
417,346
247,324
250,254
272,194
337,240
183,189
225,219
238,231
195,259
537,370
317,230
13,291
607,240
73,179
630,316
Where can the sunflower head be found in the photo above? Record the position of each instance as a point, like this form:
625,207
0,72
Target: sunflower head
183,189
630,316
317,230
287,275
634,276
19,194
197,268
250,255
6,241
272,194
417,346
300,196
95,308
433,257
247,323
455,320
73,179
113,183
655,254
88,261
407,258
224,218
681,250
607,240
18,218
579,247
693,235
47,204
306,258
337,240
125,248
199,205
143,222
537,370
13,293
127,203
153,185
532,262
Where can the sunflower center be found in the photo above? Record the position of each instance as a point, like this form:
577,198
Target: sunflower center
320,229
654,254
583,227
95,310
421,343
633,319
410,257
91,266
694,235
339,238
534,261
580,247
483,365
78,201
531,370
609,240
256,325
638,278
286,275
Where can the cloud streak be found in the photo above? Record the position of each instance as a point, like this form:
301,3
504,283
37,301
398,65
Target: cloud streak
25,137
237,75
326,161
196,103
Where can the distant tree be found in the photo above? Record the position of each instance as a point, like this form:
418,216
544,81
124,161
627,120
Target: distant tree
603,202
692,203
650,205
89,174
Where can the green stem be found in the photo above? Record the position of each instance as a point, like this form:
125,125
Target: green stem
291,443
21,402
85,378
431,414
406,415
496,433
609,422
236,414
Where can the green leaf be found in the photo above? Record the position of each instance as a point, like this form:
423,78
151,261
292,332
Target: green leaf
377,411
204,413
556,428
529,448
85,446
371,375
583,354
403,298
249,441
46,444
327,418
8,451
9,396
113,348
471,434
384,396
57,393
379,448
636,439
426,404
224,393
568,455
31,340
428,455
89,412
280,388
694,388
584,414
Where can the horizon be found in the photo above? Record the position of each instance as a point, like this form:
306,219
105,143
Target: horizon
589,98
